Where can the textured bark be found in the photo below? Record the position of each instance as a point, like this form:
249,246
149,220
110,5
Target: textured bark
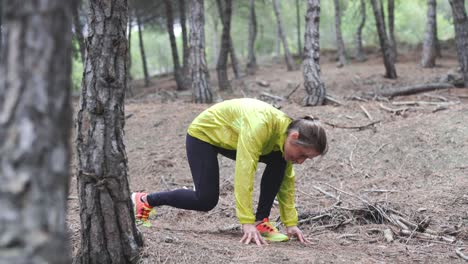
360,55
461,35
251,59
429,46
185,44
142,50
35,127
339,37
79,30
291,64
234,61
108,230
298,23
225,11
311,64
199,71
129,91
175,54
389,63
391,28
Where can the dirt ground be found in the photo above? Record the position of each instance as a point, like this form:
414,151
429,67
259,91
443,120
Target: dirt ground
413,161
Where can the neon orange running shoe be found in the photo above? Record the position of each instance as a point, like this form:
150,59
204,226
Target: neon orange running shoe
269,231
142,210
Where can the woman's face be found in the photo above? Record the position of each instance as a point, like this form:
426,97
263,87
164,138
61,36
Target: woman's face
295,153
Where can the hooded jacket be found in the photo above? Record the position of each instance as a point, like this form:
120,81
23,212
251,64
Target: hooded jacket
252,128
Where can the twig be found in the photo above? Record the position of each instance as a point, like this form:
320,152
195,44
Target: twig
460,254
381,147
381,191
352,127
366,112
333,100
293,91
417,103
312,218
326,193
414,230
391,110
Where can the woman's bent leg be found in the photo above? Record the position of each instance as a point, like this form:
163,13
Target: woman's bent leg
203,161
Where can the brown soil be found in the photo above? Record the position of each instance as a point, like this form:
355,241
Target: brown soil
420,155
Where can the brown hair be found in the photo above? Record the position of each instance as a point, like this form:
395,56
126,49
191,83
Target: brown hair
311,133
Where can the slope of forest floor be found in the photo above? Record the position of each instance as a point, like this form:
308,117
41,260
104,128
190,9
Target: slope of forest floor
411,162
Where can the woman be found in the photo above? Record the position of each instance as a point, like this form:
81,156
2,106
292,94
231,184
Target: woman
249,131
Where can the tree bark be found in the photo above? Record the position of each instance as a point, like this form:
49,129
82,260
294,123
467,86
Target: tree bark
35,130
390,71
429,46
291,64
129,92
298,23
311,65
251,59
461,35
79,30
234,61
185,44
200,77
391,28
142,50
225,11
108,230
339,37
175,55
360,55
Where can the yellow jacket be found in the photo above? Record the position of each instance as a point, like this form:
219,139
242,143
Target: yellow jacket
252,128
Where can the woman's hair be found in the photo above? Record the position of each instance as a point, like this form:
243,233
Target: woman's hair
311,133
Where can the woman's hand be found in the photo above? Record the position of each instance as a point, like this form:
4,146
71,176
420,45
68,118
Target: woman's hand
295,231
251,234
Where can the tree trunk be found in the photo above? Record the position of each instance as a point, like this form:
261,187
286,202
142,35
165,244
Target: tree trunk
291,64
461,35
35,130
298,23
175,55
79,30
234,61
142,50
429,46
225,12
251,59
129,92
391,28
185,49
215,41
200,76
311,65
386,49
339,37
108,230
360,55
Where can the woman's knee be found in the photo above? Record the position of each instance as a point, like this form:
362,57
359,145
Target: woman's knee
207,203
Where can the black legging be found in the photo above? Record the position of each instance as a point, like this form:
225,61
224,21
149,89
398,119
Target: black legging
203,161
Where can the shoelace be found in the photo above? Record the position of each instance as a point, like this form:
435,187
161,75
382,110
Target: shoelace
269,227
144,213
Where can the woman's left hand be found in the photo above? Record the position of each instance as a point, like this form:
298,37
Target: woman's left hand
295,231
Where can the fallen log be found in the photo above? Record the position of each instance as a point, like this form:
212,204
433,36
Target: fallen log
420,88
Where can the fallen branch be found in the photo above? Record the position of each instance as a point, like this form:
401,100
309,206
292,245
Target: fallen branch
365,112
460,254
392,110
333,100
293,91
449,239
420,88
352,127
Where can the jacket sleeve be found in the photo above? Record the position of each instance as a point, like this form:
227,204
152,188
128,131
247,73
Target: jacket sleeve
286,197
251,138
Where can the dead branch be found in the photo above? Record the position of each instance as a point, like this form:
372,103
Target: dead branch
393,110
460,254
352,127
366,112
419,103
326,193
272,96
449,239
293,91
333,100
381,191
420,88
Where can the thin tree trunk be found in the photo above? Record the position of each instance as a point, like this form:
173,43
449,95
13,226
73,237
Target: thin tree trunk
390,71
291,64
215,41
200,76
221,67
185,49
360,55
129,92
79,30
391,27
311,65
251,59
108,230
429,46
175,55
438,49
142,50
298,24
278,44
234,61
339,37
461,35
35,130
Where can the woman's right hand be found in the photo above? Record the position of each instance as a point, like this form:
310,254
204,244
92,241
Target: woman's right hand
251,234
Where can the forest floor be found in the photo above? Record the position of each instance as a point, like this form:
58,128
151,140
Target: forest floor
413,162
